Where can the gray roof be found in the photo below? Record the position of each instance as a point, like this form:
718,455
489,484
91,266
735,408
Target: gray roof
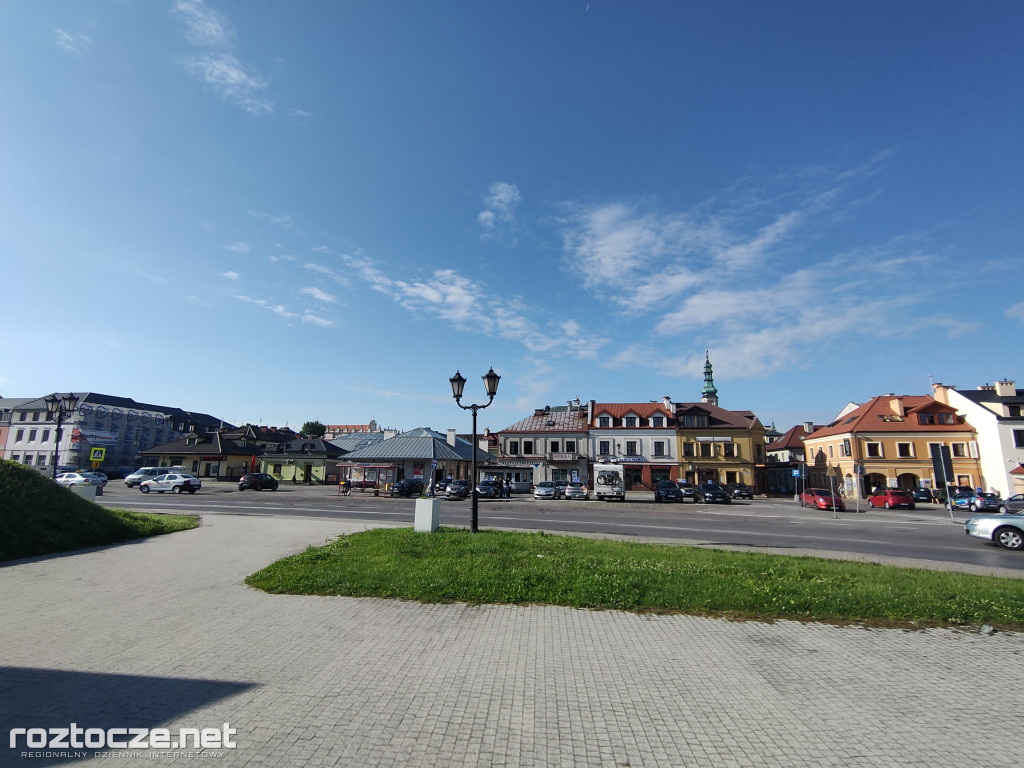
420,443
355,441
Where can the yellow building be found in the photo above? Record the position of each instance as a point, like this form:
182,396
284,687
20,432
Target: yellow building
720,446
887,443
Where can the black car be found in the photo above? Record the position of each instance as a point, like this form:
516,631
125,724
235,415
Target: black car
686,488
666,490
257,481
741,491
409,486
488,489
711,493
923,494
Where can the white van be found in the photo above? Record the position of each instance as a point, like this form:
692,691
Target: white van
148,473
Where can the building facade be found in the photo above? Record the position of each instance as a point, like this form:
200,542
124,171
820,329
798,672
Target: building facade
550,444
641,437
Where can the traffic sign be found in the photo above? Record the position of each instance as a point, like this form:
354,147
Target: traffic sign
97,454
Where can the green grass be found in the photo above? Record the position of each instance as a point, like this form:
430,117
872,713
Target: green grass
38,517
454,565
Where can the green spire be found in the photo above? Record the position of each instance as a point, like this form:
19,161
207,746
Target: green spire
709,394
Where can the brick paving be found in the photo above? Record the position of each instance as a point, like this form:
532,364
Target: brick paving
163,633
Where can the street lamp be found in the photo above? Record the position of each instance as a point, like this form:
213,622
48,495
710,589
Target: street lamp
58,409
458,382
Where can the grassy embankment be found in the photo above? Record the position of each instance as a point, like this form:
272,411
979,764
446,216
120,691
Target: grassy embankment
454,565
38,517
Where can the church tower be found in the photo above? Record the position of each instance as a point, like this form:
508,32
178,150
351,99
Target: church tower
709,394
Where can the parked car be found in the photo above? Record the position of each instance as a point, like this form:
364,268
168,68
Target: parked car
488,489
1005,530
561,485
257,481
409,486
923,495
891,497
686,488
98,478
457,489
74,478
666,490
1013,504
741,491
546,490
148,473
820,498
711,493
976,501
440,487
577,491
175,482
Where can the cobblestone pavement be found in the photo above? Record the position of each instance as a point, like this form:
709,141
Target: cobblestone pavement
163,633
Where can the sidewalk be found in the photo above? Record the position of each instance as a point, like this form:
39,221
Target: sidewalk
163,633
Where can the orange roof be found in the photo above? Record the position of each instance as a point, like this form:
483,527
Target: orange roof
643,410
893,413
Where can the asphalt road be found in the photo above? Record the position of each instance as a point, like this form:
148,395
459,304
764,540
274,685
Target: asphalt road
925,536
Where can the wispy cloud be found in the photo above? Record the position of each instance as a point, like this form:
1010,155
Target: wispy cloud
283,312
281,221
499,206
217,66
230,275
1016,312
315,293
238,247
72,43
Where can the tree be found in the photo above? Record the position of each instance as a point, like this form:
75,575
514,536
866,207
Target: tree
313,429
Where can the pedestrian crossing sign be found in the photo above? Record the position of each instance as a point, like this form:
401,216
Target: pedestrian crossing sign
97,454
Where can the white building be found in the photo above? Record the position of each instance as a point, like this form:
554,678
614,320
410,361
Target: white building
995,414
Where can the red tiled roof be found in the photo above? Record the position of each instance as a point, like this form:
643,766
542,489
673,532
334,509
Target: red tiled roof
718,417
793,438
880,415
643,410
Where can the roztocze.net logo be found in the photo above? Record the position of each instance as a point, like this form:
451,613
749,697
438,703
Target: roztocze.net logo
75,737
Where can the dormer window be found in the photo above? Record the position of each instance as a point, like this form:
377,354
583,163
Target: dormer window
192,440
604,421
631,421
657,421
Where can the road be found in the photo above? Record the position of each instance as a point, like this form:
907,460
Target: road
925,535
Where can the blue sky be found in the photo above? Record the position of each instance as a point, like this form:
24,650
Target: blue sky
276,212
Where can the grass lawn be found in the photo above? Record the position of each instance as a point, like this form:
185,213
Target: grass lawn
454,565
38,517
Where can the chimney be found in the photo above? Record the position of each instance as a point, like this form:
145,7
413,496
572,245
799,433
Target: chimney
1006,388
808,427
590,411
451,437
668,402
896,404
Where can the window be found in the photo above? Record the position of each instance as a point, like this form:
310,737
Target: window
554,446
46,435
688,449
728,450
705,450
631,421
19,435
513,447
658,421
905,450
1018,438
41,460
698,420
604,447
946,418
32,435
16,458
604,421
631,448
35,415
730,477
22,416
28,459
959,450
926,418
277,469
528,446
874,450
830,451
659,448
570,446
1013,411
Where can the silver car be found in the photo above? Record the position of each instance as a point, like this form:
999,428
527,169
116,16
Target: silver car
546,490
1005,530
576,491
1013,504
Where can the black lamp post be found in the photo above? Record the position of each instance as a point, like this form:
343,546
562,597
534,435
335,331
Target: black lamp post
58,409
458,382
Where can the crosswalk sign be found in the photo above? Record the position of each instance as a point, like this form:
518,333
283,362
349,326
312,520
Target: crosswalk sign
97,454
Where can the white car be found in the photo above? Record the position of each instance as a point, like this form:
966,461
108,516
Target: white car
98,478
175,483
74,478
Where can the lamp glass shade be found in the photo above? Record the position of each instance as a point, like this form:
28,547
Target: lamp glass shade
52,406
491,383
458,382
69,401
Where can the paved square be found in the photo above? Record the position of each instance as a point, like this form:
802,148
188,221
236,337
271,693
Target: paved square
163,633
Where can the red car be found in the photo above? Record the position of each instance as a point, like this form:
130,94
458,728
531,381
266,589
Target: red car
820,498
891,497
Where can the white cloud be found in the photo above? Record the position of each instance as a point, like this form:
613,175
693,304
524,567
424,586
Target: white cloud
238,247
317,294
72,43
283,221
1016,311
217,65
282,311
499,205
230,275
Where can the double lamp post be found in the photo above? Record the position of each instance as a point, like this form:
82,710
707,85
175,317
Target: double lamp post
58,409
458,382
